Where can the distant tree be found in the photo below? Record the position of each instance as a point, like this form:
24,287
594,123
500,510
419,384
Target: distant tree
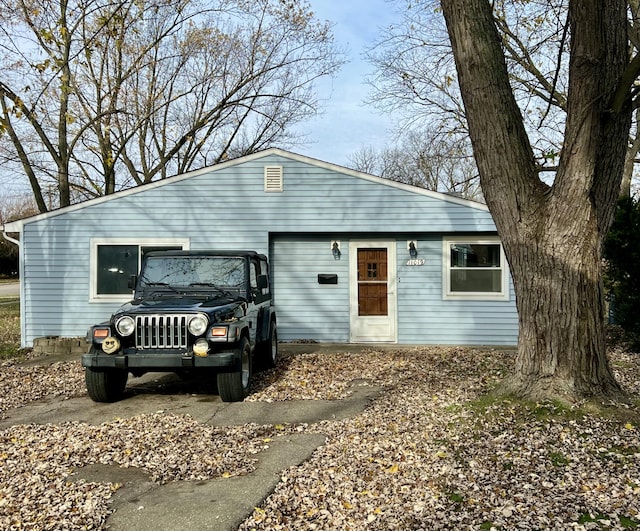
11,209
8,259
553,234
433,162
416,79
105,94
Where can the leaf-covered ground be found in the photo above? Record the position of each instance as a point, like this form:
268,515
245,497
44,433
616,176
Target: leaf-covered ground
431,452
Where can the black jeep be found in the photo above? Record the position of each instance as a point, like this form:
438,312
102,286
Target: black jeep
192,311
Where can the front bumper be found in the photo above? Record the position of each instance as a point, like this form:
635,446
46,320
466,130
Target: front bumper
159,361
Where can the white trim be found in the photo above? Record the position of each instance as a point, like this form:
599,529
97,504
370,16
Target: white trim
16,226
140,242
447,294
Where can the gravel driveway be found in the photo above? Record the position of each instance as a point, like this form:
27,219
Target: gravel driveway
373,439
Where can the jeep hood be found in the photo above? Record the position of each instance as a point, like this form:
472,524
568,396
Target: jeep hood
217,309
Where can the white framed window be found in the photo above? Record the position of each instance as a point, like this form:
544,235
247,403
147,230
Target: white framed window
114,260
474,268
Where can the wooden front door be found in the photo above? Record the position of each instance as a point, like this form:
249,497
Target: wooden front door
372,282
373,299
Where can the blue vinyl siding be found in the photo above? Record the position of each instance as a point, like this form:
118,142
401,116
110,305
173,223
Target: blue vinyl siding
307,310
225,207
424,317
310,311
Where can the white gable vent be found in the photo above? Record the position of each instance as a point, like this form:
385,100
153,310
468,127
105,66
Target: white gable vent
273,181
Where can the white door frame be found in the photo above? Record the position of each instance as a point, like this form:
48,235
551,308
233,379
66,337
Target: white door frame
373,328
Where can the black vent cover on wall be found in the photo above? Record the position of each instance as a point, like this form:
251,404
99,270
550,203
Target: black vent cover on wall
327,278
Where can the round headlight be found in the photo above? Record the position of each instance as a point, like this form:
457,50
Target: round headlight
125,326
198,325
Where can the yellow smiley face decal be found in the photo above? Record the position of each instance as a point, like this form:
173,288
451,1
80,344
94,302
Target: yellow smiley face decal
110,345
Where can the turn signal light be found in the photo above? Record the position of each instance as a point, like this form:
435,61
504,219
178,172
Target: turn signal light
101,333
219,332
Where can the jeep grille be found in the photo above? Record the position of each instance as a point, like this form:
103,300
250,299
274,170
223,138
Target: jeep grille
161,331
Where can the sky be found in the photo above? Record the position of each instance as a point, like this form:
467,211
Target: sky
347,124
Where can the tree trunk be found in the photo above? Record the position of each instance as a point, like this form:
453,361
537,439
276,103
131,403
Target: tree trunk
552,234
629,164
561,349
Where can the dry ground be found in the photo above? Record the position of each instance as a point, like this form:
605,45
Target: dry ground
433,451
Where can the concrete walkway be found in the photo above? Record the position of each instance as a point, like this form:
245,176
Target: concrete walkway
220,504
9,289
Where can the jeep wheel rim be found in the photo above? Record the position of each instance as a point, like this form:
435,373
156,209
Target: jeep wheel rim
274,348
245,367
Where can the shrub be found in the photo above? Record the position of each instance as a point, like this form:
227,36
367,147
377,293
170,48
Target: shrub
622,265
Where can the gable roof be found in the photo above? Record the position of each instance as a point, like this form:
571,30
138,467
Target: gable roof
16,226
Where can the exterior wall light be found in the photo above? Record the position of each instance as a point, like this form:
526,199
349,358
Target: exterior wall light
335,249
413,249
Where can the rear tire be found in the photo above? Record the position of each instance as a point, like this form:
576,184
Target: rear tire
234,386
105,385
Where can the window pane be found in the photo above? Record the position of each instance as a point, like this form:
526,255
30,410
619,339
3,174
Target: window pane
116,263
475,255
476,281
253,275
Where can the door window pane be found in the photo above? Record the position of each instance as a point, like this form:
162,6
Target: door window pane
372,282
372,299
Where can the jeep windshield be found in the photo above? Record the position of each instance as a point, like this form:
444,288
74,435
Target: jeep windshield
222,274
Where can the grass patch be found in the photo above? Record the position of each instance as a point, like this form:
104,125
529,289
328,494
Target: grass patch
455,497
629,523
9,330
625,450
603,521
557,459
587,518
523,410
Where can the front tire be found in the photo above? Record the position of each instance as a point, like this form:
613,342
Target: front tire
269,350
105,385
234,386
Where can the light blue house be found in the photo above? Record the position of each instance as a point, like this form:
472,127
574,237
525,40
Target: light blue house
354,258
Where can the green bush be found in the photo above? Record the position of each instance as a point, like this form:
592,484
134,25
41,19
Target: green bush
621,278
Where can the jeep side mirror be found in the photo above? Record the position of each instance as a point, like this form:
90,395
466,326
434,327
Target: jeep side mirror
263,282
133,280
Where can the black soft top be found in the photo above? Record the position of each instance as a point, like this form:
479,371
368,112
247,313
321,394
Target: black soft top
206,252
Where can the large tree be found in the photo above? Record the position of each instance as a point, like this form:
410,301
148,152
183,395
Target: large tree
552,233
415,76
97,95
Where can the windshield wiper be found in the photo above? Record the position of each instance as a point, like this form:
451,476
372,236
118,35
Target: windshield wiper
210,285
147,285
